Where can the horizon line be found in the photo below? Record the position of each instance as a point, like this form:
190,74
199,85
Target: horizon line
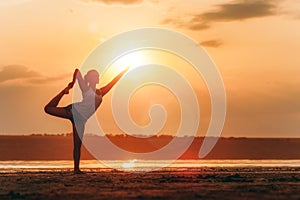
138,136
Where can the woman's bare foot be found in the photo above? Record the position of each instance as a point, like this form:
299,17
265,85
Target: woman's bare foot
70,86
78,172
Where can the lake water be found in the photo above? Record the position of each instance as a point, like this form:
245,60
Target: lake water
141,165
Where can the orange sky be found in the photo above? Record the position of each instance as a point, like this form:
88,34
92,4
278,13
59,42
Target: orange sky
255,45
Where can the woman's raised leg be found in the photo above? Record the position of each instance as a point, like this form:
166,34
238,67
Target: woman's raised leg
52,109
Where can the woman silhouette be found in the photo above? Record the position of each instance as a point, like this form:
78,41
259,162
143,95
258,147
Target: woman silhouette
81,111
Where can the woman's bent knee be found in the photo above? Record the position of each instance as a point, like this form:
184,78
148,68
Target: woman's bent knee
47,110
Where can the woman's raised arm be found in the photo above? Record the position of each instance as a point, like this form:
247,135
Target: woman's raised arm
104,90
82,84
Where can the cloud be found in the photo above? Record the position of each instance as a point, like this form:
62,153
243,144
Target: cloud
125,2
239,10
212,43
234,11
198,25
45,80
13,73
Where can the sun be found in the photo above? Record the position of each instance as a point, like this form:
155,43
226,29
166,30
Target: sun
133,59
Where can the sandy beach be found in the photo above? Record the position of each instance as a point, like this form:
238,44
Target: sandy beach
180,183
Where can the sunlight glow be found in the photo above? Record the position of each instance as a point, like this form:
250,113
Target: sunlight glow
133,59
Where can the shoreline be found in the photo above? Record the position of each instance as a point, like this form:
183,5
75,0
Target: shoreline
184,183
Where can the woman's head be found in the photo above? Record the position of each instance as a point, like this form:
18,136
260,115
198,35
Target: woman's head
92,77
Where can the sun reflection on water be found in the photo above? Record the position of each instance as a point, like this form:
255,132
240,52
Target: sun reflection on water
129,164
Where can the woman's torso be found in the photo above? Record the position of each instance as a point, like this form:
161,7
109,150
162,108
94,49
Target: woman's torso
89,104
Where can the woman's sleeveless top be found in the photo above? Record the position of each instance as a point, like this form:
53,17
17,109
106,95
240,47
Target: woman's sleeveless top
89,104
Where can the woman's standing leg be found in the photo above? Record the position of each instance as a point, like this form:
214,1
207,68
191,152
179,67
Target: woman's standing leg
78,131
